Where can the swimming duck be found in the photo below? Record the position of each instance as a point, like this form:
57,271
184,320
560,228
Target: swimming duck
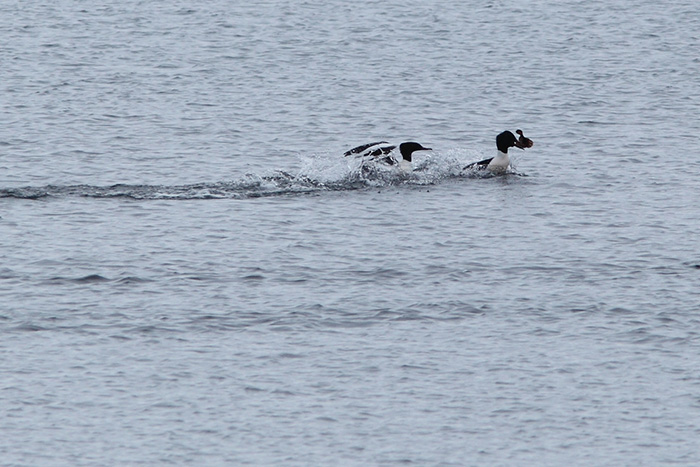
386,154
504,141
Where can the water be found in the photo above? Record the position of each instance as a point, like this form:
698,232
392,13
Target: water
192,274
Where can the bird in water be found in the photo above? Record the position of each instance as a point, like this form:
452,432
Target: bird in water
504,141
523,141
387,154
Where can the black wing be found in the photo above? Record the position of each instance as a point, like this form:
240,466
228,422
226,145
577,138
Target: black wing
363,148
384,150
480,164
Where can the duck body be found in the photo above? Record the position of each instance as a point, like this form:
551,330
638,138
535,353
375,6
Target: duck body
377,152
500,163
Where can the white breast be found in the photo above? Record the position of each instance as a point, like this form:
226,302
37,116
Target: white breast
405,166
499,163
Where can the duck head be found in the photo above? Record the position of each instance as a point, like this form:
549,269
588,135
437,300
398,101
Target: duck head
407,149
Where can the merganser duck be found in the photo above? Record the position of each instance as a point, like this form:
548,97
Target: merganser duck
406,149
500,163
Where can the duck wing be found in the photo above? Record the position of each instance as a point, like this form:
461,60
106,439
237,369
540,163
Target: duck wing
363,148
480,164
384,150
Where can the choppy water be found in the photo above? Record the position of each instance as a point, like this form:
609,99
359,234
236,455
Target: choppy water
192,274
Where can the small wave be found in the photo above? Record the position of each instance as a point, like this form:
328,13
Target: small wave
95,279
318,173
28,327
91,278
133,280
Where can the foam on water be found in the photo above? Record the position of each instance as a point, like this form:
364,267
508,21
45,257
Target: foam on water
318,172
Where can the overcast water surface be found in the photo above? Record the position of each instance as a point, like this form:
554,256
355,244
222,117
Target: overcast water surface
192,274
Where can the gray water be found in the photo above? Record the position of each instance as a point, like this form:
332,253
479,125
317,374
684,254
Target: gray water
191,273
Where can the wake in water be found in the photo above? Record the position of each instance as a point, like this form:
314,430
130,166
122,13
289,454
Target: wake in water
319,172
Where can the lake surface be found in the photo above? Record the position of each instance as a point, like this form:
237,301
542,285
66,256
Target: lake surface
192,274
